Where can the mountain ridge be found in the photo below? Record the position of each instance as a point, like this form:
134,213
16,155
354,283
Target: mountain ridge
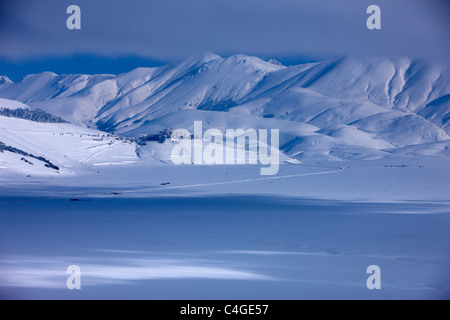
391,102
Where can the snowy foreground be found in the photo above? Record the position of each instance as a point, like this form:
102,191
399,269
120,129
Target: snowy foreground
210,232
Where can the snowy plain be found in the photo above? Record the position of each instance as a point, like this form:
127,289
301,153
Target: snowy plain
225,232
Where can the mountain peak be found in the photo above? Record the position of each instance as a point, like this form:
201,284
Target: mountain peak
275,62
4,80
44,74
202,57
254,62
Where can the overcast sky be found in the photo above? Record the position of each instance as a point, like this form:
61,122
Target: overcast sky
173,29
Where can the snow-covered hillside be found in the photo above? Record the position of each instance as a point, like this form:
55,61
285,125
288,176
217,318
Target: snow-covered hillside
336,109
51,148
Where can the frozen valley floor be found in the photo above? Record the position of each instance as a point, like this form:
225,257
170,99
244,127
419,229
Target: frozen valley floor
219,242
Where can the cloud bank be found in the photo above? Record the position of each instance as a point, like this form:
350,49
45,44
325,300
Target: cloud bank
173,29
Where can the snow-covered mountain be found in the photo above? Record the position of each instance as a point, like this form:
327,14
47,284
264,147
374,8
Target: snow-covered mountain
341,108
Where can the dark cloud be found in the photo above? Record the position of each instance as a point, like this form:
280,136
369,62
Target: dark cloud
170,29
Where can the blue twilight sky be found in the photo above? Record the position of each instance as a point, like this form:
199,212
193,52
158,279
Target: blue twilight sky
117,36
